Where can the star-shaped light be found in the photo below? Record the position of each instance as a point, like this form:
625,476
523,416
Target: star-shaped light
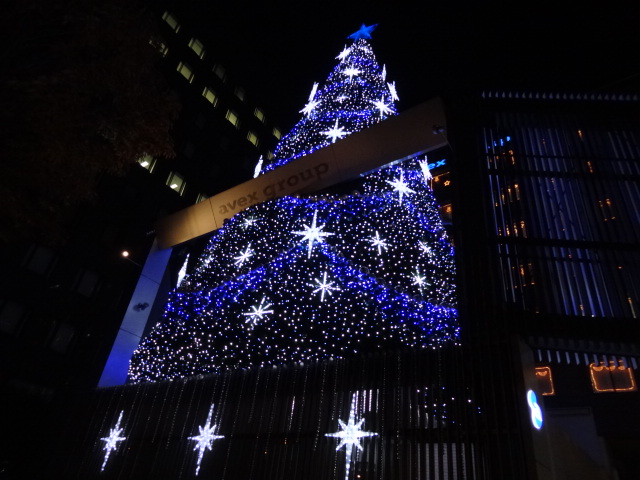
382,107
258,167
324,286
384,72
393,91
204,441
378,242
419,280
426,173
314,89
344,53
425,248
112,440
364,32
258,313
310,107
400,185
313,233
341,98
351,72
335,132
244,256
247,222
350,435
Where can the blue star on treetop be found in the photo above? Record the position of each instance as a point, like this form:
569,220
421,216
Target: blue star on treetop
364,32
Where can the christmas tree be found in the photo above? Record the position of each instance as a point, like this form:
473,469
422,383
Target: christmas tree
359,268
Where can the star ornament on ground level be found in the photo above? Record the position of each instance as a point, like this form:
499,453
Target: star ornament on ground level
350,435
258,313
364,32
313,233
335,133
400,185
112,440
204,441
324,286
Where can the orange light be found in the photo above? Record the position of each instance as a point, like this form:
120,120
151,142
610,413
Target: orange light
545,380
612,378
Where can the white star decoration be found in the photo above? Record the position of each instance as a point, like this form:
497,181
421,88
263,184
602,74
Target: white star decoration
382,107
323,287
335,132
419,280
258,313
425,248
384,72
393,91
400,186
351,72
426,173
204,441
350,435
310,107
244,256
313,233
344,53
247,222
314,89
378,242
112,440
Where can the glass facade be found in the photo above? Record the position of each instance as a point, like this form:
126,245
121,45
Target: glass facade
566,211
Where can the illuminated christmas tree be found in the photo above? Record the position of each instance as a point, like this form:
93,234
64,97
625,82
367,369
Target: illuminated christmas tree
361,268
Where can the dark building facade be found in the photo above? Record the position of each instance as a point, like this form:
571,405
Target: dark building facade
61,305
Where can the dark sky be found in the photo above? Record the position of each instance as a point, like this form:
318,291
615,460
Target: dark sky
429,50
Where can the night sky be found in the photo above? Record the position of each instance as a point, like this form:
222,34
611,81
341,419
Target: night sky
429,50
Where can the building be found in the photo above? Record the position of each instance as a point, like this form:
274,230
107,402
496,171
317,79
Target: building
61,306
545,197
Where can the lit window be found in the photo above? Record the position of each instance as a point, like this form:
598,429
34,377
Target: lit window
276,133
612,378
233,119
201,197
259,114
160,46
545,381
270,155
253,138
220,71
171,21
197,46
240,93
147,162
210,96
185,71
176,182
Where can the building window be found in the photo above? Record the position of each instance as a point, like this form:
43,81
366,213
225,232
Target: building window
270,155
147,162
545,381
171,21
233,118
86,283
62,338
210,96
197,46
160,46
615,377
253,138
259,114
276,133
185,71
176,182
201,197
220,72
240,93
40,259
11,316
